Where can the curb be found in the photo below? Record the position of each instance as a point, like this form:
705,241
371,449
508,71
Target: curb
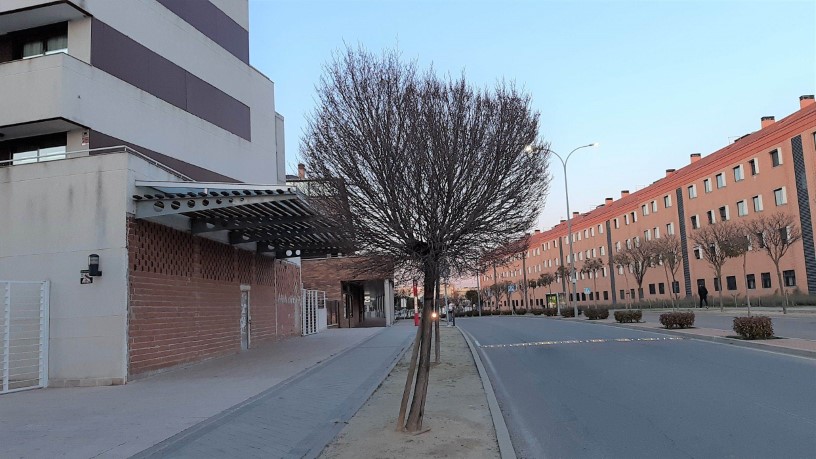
506,449
718,339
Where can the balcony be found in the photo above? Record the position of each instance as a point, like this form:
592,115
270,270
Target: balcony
27,14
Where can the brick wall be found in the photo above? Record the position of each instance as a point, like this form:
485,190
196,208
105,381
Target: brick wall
185,297
327,274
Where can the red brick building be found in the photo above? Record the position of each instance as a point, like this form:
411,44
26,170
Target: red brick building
770,170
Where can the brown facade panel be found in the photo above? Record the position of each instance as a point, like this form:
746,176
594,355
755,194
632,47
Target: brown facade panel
185,298
214,23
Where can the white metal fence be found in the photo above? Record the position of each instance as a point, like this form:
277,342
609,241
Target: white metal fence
24,327
314,301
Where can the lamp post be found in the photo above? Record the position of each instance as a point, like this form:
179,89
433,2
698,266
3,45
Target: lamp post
564,160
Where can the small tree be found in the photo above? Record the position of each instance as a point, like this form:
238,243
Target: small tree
563,274
717,243
776,233
532,285
641,257
669,252
623,261
591,268
472,296
546,280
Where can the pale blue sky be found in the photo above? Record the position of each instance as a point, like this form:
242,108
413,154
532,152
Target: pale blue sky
652,81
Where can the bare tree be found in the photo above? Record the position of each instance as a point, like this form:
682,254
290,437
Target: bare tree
669,252
532,284
717,244
591,268
623,261
776,233
546,280
563,275
403,148
640,255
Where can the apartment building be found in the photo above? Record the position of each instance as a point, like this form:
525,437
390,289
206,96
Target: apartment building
770,170
146,222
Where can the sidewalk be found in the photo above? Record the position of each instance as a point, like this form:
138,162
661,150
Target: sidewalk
119,421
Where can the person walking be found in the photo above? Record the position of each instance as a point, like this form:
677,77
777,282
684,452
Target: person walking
703,292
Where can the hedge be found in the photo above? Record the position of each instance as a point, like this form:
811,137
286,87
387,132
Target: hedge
593,313
629,315
521,311
537,312
567,312
505,312
677,319
550,312
756,327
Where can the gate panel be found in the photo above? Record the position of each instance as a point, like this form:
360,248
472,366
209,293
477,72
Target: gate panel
24,327
313,300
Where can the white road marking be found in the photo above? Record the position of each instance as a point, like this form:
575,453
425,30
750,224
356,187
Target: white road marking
578,341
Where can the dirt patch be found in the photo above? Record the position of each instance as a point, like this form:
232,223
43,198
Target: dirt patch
456,412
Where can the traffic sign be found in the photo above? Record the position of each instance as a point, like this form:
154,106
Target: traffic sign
587,290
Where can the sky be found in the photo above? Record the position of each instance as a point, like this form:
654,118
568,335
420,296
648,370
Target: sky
650,81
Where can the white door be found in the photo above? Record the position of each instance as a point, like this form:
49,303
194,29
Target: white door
24,328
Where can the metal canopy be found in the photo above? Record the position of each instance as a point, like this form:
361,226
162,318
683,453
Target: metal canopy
278,218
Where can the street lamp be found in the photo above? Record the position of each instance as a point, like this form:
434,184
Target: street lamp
573,280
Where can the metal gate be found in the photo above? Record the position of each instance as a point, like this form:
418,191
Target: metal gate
313,300
24,326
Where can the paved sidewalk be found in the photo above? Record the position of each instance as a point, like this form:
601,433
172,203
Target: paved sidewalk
119,421
299,417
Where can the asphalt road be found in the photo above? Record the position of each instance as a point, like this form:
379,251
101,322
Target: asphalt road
803,327
646,395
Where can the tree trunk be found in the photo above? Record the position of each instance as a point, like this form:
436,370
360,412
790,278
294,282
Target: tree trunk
595,287
436,323
745,276
417,412
406,392
782,289
719,292
671,285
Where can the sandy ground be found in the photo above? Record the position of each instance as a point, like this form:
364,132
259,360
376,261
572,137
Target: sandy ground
456,412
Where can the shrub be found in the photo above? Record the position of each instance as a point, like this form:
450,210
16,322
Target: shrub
628,316
537,312
677,319
593,313
505,312
757,327
567,312
550,312
521,311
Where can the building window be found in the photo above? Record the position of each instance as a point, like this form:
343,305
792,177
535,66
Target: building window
707,185
789,277
720,180
716,284
780,197
757,203
647,235
710,217
603,250
766,280
651,289
657,232
742,208
724,214
634,217
606,295
738,174
669,228
49,40
622,294
676,286
776,158
617,246
750,281
600,229
731,282
661,288
626,219
617,223
695,222
692,191
754,163
645,209
628,243
654,206
667,201
698,253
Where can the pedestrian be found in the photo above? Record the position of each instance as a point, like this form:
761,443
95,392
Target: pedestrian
703,292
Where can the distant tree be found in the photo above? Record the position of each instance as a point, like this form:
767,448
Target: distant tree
640,255
546,280
472,296
669,252
563,274
775,234
623,261
717,244
591,268
396,151
532,285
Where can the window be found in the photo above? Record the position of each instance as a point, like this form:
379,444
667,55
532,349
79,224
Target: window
738,173
654,206
603,250
49,40
586,234
698,253
632,292
692,191
652,289
754,163
776,158
647,235
750,281
742,208
724,214
656,232
592,232
695,222
628,244
606,295
667,201
780,196
789,277
670,228
37,155
617,246
731,282
634,217
622,294
757,203
661,288
707,185
600,229
720,180
710,217
645,209
617,224
766,280
626,219
716,284
676,286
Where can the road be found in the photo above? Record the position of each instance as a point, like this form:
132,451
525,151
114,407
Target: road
803,326
652,396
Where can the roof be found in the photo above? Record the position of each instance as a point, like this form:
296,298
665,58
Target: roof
277,219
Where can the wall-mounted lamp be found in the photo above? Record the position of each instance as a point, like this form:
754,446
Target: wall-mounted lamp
93,265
